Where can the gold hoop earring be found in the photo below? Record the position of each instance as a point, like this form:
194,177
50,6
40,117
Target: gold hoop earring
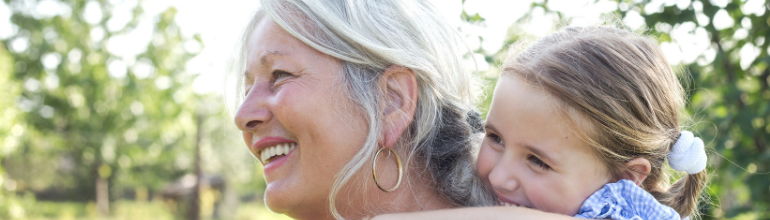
374,170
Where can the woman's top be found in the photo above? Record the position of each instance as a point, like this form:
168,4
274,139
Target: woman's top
624,200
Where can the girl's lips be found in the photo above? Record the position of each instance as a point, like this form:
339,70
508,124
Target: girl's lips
507,204
502,201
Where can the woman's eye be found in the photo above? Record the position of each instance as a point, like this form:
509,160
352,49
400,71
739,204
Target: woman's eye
538,162
278,74
246,90
495,138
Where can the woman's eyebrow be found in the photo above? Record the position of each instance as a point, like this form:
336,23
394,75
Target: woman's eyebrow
248,76
264,61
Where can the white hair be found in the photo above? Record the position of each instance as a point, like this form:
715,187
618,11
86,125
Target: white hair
370,36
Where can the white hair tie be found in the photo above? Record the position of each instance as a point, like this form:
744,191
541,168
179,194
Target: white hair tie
688,154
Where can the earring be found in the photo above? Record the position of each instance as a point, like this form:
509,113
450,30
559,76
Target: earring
374,170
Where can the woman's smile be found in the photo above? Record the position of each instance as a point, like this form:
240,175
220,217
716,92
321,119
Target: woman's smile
270,153
267,148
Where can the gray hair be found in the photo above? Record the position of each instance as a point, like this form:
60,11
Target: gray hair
370,36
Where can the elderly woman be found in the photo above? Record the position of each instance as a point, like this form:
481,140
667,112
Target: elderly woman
358,108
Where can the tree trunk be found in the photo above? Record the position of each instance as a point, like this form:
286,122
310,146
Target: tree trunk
102,196
194,206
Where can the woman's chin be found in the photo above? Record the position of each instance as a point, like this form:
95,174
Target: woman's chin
283,199
277,201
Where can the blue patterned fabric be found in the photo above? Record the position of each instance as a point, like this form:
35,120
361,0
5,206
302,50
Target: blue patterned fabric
624,200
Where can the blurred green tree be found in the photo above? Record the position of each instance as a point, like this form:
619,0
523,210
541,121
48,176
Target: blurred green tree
9,205
91,121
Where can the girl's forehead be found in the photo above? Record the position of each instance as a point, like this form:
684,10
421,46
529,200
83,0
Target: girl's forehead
527,115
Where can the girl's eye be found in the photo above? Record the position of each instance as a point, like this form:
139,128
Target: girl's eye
495,138
537,162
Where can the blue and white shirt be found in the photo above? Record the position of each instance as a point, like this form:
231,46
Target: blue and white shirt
624,200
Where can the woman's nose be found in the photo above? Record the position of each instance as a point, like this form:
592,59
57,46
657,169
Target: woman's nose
503,178
253,111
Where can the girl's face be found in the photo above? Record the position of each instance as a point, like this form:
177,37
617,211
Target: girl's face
530,157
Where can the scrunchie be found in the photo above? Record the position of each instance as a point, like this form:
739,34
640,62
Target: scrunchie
688,154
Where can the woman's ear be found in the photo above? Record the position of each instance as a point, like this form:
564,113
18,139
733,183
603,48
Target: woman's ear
398,101
636,170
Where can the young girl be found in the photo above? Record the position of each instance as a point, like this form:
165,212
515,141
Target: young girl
582,123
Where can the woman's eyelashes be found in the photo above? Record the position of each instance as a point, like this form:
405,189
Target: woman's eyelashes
247,89
279,74
538,162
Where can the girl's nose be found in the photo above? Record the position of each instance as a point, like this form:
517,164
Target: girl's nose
254,110
503,178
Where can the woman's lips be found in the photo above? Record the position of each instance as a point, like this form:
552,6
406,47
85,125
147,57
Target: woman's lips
259,147
267,154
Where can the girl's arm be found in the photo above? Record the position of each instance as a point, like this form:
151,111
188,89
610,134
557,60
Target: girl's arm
476,213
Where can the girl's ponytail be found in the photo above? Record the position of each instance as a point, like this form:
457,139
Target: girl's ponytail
683,195
686,154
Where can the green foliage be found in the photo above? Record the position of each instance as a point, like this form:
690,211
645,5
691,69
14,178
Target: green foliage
9,131
729,106
85,110
79,109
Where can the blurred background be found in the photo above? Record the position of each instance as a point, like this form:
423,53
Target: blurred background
117,109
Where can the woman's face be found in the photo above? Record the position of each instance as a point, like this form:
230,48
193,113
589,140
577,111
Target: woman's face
530,157
295,100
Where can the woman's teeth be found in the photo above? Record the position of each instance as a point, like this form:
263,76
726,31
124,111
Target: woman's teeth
281,149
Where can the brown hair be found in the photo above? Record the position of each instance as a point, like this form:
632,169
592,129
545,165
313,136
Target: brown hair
622,85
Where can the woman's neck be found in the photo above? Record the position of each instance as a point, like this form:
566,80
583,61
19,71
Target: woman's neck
361,198
411,196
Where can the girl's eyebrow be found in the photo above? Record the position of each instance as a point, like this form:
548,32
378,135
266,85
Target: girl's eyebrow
489,126
542,155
